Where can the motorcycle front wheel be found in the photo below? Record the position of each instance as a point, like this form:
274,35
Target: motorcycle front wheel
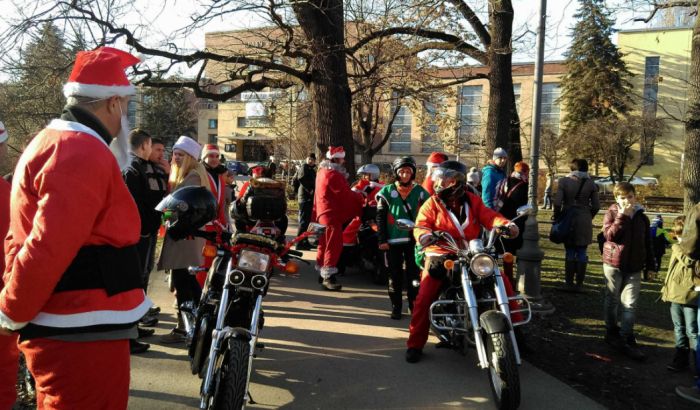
503,371
231,390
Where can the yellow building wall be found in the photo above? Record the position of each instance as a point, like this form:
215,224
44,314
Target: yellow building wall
672,46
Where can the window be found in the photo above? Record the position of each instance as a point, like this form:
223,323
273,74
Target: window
651,86
211,139
469,114
230,147
550,106
430,139
649,106
400,139
131,113
213,123
516,94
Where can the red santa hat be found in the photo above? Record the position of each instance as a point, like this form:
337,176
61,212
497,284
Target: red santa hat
335,152
3,133
210,149
436,158
100,74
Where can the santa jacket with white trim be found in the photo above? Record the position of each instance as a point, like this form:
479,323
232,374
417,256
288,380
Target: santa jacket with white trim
333,197
434,216
70,255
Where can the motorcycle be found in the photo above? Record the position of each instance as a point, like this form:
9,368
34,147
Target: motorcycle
363,250
473,310
223,329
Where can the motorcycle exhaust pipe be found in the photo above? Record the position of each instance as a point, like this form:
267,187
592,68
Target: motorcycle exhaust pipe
188,314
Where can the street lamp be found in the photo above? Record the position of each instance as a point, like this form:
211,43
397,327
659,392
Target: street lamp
530,255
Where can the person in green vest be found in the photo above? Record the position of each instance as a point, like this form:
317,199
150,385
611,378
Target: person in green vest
400,200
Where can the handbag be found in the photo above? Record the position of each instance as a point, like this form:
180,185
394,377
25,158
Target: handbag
561,228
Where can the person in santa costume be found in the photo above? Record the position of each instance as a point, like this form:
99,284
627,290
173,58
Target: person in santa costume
211,158
335,204
73,286
435,159
9,353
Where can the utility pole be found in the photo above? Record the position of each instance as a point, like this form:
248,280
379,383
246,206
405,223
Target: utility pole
530,255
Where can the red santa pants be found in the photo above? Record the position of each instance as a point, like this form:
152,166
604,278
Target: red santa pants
428,292
9,359
330,246
79,375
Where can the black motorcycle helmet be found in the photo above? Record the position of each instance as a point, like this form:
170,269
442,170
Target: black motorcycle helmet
186,210
450,169
404,162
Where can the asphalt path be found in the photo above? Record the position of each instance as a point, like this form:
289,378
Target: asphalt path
336,350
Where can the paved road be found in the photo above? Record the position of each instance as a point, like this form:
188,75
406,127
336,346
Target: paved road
329,350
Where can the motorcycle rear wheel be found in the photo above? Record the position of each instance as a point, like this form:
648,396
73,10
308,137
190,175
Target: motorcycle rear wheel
502,373
231,391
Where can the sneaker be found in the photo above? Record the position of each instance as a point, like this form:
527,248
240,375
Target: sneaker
145,332
689,393
175,336
153,311
680,361
396,313
331,284
136,347
413,355
148,321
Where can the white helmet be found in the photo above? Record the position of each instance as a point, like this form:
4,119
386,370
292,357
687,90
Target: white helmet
370,169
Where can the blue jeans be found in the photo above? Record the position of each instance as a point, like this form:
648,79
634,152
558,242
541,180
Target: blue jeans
621,289
577,253
697,349
685,325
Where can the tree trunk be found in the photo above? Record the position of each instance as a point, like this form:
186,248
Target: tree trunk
691,168
499,132
323,24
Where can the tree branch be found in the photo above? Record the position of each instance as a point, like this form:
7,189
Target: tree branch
479,28
667,5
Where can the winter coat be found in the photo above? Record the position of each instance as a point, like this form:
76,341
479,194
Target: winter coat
186,252
333,196
148,187
72,265
628,246
491,175
434,216
217,186
682,278
690,238
586,203
4,218
391,207
306,178
515,197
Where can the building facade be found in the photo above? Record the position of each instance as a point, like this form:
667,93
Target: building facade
660,62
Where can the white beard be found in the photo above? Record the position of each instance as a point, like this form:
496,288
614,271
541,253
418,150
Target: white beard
120,145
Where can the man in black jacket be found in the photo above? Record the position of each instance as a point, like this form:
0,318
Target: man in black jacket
147,185
305,183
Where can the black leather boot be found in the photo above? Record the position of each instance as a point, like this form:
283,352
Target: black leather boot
569,272
580,276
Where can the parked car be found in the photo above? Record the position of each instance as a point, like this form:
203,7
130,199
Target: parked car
238,167
635,180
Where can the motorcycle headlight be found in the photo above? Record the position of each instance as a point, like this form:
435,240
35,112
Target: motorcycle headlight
482,265
254,261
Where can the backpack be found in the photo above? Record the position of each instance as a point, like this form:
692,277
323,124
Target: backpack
503,192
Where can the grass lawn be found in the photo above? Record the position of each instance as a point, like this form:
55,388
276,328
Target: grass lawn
569,343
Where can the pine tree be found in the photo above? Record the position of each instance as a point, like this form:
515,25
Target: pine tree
34,94
595,86
168,113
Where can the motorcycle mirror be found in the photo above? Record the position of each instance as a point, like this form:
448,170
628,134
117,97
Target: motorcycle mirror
316,228
405,224
525,210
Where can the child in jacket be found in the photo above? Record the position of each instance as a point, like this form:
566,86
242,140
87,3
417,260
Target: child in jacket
627,252
679,289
